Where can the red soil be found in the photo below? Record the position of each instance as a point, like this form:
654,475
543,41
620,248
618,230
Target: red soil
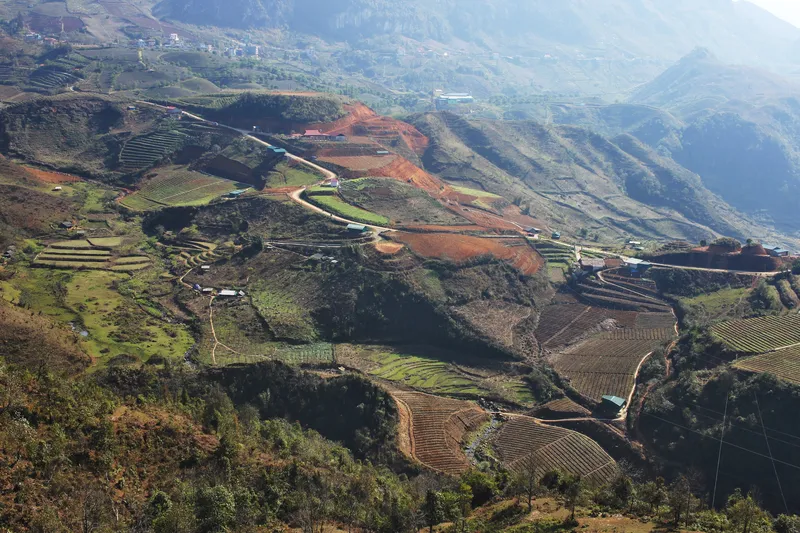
361,120
404,170
389,248
361,163
52,177
422,228
460,248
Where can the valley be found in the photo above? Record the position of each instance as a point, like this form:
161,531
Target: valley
277,291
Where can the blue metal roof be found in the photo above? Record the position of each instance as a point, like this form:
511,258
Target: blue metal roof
616,400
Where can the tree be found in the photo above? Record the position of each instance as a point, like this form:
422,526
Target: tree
482,484
745,514
787,524
796,268
526,481
573,491
434,513
654,493
679,497
624,490
215,509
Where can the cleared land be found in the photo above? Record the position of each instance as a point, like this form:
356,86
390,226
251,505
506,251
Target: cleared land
424,373
523,441
175,186
432,429
784,364
460,248
400,202
759,335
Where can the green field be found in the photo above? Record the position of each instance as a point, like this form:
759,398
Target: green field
424,373
474,192
720,305
759,335
286,318
175,186
116,325
284,175
339,207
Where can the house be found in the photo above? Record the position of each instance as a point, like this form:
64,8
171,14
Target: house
208,290
57,188
589,264
333,182
173,37
613,262
357,228
279,151
205,268
449,100
633,243
555,236
340,138
533,231
197,287
613,404
237,193
382,152
131,108
67,225
227,293
776,251
315,135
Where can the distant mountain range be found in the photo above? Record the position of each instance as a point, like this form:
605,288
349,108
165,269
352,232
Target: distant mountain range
644,29
737,128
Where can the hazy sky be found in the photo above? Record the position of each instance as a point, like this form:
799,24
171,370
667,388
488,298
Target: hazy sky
786,9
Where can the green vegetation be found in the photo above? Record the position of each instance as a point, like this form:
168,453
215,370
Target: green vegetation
286,175
336,205
475,192
724,304
424,373
176,186
286,319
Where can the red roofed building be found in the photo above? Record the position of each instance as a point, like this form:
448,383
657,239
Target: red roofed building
316,135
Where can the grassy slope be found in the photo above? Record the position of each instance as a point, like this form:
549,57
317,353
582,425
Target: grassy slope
339,207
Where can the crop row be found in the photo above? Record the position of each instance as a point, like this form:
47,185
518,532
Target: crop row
758,335
589,320
437,429
784,364
46,78
521,436
566,364
555,318
613,347
596,385
656,334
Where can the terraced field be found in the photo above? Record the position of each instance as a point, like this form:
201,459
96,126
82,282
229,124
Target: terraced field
759,335
560,409
432,429
146,150
784,364
179,187
96,254
424,373
48,79
524,442
607,365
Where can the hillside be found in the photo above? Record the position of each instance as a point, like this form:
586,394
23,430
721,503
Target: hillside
619,28
577,179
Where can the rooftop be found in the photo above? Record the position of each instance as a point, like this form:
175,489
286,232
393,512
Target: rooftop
616,400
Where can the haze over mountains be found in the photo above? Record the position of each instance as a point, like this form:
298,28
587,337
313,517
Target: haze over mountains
629,29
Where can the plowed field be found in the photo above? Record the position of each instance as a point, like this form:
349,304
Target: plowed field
433,429
758,335
522,441
459,248
52,177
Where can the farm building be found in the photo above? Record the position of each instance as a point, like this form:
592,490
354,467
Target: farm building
555,235
357,228
237,193
592,265
57,189
207,290
613,404
776,251
533,231
227,293
205,268
613,262
279,151
332,183
67,224
449,100
315,135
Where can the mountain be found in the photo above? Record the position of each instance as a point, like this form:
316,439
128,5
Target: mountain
610,29
578,179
